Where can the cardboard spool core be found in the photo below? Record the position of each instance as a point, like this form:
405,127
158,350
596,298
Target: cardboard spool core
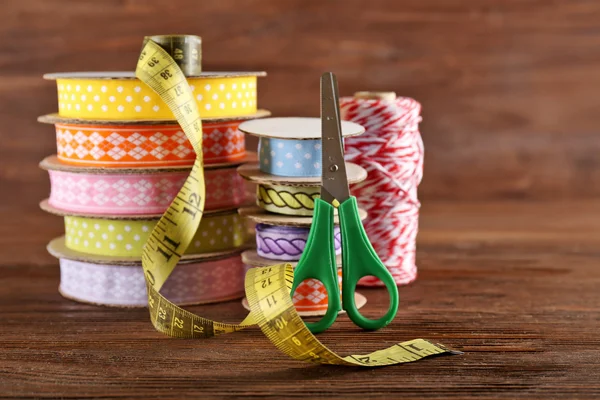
45,206
251,257
54,118
184,304
294,128
387,96
58,249
252,173
52,163
262,216
130,75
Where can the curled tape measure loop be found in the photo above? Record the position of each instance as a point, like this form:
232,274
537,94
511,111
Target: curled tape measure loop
267,289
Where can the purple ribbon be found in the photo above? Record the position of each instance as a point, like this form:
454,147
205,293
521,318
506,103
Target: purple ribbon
287,242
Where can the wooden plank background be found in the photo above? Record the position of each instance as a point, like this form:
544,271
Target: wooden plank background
509,87
510,96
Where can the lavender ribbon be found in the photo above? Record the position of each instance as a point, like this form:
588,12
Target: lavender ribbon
286,242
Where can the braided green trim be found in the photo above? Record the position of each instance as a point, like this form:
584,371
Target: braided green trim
286,197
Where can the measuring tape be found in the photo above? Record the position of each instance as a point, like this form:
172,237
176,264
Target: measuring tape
267,289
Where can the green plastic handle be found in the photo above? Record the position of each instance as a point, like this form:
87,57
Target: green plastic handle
318,262
359,259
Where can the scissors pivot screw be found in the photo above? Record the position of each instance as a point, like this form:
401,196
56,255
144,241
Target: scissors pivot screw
333,168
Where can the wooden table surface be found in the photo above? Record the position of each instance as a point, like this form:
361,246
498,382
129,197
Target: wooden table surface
515,285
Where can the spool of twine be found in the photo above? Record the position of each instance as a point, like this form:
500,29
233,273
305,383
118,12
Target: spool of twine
391,150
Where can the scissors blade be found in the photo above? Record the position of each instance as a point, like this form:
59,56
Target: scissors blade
334,183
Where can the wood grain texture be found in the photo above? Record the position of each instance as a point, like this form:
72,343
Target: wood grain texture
509,87
514,289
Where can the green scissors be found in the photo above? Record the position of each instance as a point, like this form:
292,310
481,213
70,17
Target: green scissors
359,259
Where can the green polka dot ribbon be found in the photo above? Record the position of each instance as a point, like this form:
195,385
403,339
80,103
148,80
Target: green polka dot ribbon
126,238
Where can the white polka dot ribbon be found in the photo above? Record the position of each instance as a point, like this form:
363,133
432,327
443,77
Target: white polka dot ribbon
290,157
124,98
126,238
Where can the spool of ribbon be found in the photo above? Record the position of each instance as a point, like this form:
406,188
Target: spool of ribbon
124,285
288,157
286,243
120,96
135,192
310,298
126,237
291,147
288,200
391,151
130,146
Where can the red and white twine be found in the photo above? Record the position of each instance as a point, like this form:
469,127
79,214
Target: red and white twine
391,150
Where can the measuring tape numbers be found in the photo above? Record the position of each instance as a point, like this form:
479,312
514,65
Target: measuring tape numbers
267,289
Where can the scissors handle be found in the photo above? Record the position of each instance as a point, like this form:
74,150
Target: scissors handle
318,262
359,260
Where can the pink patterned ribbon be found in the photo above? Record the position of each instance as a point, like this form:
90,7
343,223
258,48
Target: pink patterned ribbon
138,193
124,285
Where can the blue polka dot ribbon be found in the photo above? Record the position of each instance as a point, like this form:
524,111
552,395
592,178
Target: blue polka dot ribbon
290,157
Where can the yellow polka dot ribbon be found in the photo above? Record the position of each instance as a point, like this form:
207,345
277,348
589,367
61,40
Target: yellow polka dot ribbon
288,200
126,238
130,99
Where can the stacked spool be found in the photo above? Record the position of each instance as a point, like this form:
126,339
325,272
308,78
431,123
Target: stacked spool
391,150
122,158
288,178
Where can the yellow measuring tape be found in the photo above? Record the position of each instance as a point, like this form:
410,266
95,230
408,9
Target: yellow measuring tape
267,289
